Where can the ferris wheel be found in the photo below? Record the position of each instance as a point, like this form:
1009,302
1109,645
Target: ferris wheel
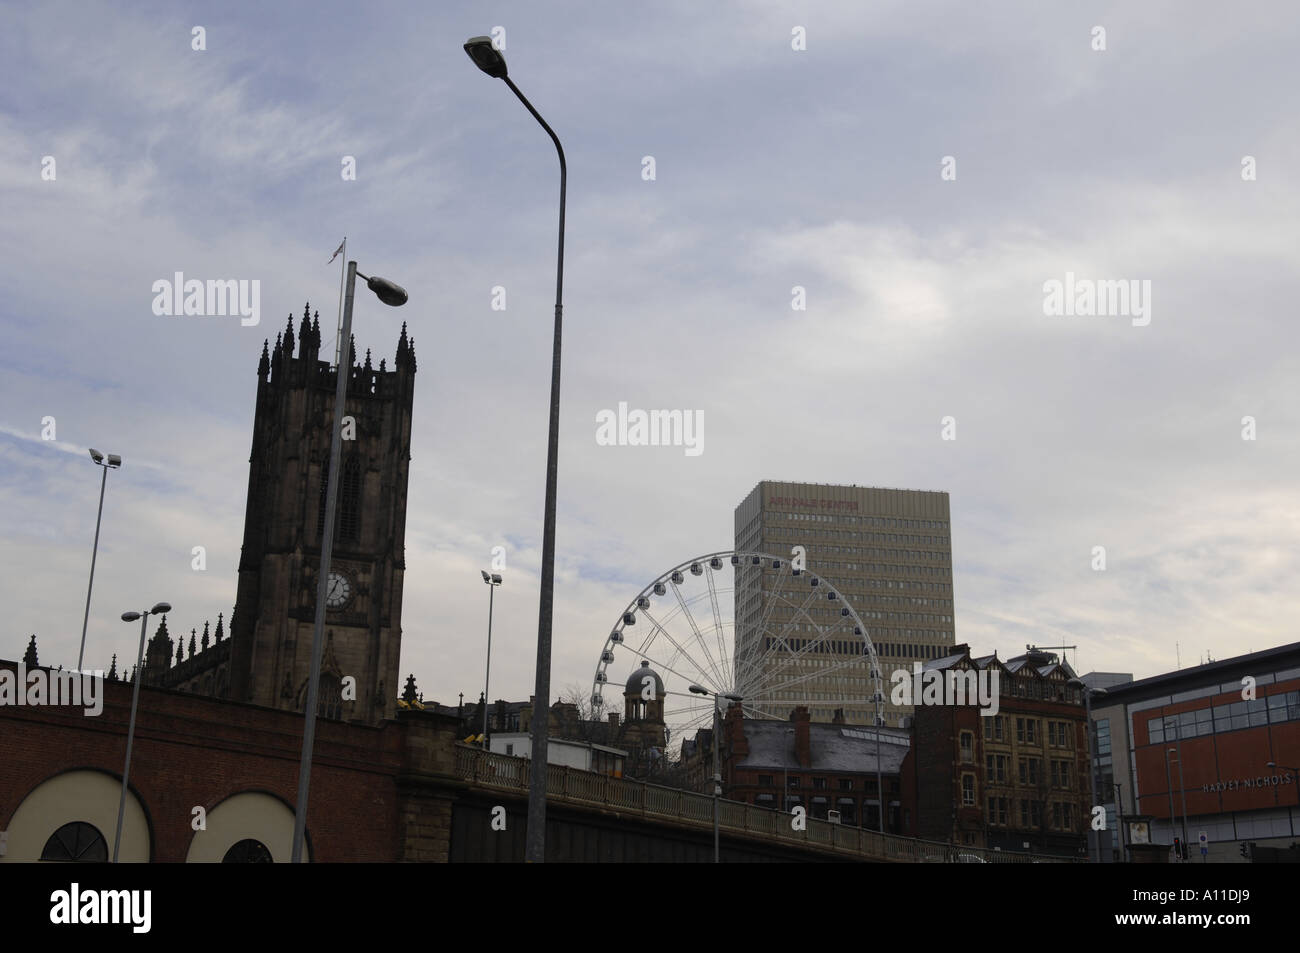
742,624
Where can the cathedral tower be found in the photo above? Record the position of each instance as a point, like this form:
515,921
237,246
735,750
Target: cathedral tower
275,606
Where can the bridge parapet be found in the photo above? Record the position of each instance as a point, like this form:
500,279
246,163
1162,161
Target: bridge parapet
689,809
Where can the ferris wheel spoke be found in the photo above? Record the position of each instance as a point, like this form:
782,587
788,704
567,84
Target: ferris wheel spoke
685,654
762,623
729,674
719,684
809,649
758,651
768,687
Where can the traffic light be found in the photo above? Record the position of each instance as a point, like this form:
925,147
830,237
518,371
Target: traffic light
1178,848
1246,849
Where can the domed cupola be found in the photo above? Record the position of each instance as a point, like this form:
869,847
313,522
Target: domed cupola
643,696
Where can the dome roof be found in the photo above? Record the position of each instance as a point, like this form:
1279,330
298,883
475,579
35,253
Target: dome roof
636,681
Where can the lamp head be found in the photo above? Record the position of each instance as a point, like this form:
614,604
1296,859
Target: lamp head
160,608
485,575
698,690
486,56
130,616
496,579
114,460
96,455
389,293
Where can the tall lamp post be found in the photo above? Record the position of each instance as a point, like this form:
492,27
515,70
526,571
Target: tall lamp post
785,778
492,581
159,608
113,462
1094,841
1183,789
489,59
394,296
717,764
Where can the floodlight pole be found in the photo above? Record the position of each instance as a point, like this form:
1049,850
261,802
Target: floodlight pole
94,552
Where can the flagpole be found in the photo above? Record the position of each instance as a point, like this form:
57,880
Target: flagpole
338,327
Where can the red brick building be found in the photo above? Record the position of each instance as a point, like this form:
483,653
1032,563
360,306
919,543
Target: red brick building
375,790
821,767
1014,781
1197,742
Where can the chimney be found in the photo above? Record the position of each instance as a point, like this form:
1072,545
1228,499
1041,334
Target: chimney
802,744
613,719
733,733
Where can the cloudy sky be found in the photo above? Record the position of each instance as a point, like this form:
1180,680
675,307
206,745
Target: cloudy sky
774,167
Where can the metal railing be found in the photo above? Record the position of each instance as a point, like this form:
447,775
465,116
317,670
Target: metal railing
689,809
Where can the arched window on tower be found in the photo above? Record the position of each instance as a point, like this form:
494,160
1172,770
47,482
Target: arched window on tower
350,504
324,489
348,528
330,703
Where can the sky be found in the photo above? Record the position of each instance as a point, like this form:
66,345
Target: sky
920,170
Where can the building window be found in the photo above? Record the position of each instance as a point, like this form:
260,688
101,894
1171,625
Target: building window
510,749
1024,813
819,783
967,746
349,501
330,703
846,784
350,504
765,780
793,782
1020,730
967,789
248,851
77,842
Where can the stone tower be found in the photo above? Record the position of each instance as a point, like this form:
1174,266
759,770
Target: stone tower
275,605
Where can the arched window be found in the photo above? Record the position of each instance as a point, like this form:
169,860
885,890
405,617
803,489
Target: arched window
248,851
77,842
348,528
330,702
350,504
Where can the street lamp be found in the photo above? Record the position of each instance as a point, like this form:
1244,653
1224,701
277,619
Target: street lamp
492,581
159,608
113,462
717,766
1183,788
395,296
1093,840
785,778
489,59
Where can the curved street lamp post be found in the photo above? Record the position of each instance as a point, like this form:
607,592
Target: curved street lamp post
489,59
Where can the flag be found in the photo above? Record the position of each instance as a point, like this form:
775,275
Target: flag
338,250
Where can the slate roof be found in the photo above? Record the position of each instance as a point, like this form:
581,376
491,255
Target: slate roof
835,749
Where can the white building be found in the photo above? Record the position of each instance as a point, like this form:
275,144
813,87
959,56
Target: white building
584,755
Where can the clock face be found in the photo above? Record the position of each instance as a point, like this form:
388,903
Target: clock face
338,590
